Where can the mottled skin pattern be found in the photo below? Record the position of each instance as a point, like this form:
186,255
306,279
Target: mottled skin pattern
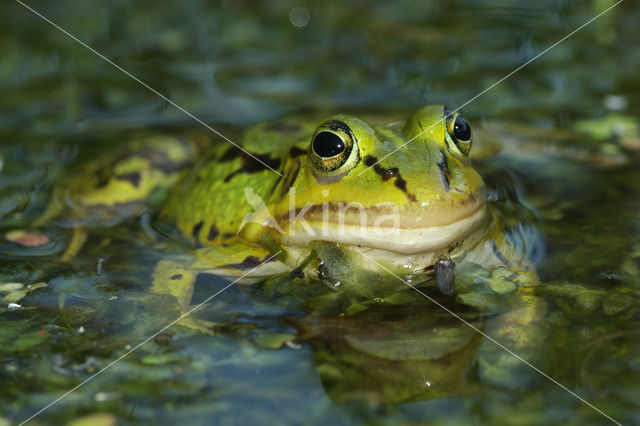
116,186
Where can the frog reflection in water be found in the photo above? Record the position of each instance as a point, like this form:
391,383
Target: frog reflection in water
347,209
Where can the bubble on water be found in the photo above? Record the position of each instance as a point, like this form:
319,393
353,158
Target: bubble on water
299,16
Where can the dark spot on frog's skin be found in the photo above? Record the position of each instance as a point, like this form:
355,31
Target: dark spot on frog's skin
176,276
444,170
230,154
158,158
251,165
445,276
402,185
133,177
103,179
293,175
296,152
389,173
196,233
250,262
213,233
290,177
298,273
228,235
277,182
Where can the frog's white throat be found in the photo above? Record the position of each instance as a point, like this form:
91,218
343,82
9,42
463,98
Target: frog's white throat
405,241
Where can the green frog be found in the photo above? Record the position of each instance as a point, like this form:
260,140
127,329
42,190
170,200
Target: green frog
350,198
365,208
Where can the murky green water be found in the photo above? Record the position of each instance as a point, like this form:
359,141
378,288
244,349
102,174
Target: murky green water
236,63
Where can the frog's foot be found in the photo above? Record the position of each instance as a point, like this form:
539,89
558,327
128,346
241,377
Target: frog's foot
236,262
178,279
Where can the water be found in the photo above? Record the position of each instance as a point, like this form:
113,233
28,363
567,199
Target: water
233,64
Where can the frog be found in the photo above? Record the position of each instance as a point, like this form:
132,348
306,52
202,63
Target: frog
349,198
366,208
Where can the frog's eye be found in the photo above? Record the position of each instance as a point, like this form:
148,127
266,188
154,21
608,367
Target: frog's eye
328,144
332,147
459,131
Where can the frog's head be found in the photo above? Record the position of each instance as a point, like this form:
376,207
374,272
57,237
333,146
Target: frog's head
405,187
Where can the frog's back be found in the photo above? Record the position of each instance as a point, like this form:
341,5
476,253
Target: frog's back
208,205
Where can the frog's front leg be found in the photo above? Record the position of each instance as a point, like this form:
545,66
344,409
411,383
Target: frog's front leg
236,262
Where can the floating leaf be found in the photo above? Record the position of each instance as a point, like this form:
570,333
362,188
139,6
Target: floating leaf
27,239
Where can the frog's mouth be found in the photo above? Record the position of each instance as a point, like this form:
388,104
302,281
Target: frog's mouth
406,235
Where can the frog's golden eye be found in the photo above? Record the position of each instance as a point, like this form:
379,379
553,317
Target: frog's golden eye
332,146
459,131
